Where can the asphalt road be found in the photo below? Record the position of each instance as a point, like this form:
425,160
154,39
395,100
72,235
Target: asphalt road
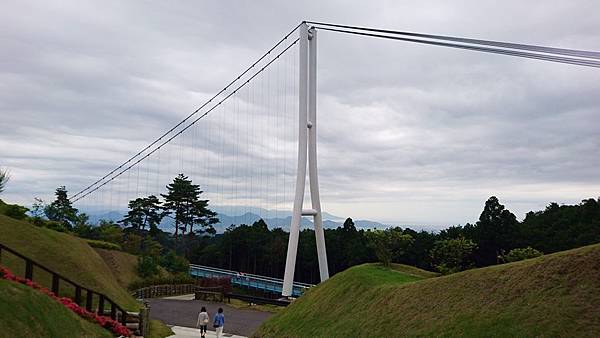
185,313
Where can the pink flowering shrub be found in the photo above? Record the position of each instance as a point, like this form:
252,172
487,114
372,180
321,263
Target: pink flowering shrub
104,321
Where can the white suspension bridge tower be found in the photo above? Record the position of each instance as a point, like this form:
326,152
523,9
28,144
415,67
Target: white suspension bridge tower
307,140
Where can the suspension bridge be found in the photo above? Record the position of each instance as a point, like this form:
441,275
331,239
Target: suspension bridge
247,280
252,144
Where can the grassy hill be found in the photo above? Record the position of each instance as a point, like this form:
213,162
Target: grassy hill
123,265
555,295
68,255
44,316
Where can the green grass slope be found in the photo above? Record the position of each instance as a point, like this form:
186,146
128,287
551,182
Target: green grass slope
159,330
556,295
123,265
25,312
68,255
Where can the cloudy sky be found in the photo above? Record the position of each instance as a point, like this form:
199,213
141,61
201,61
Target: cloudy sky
408,134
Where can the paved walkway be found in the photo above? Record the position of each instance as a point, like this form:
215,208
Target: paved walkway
180,311
188,332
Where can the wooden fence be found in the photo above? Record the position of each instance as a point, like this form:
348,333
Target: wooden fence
214,293
168,290
83,296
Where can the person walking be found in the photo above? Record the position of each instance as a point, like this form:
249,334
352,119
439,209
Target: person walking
219,322
203,320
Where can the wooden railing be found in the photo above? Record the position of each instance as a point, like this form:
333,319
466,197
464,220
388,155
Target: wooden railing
116,311
166,290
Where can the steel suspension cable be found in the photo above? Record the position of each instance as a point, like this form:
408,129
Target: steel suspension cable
231,83
75,199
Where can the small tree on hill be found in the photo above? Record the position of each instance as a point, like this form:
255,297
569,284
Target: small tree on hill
61,210
37,210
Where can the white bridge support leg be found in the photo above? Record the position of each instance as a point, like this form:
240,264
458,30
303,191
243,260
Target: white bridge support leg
312,155
307,141
290,262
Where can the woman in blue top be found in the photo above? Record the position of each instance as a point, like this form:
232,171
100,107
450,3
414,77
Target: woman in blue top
219,322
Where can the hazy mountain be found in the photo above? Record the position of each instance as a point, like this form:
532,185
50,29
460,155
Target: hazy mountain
273,219
265,213
108,216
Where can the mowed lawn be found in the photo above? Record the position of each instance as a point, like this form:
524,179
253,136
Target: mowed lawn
556,295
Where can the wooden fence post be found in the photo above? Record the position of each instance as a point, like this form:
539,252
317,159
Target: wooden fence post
89,299
29,269
78,294
101,304
55,284
113,310
145,319
123,317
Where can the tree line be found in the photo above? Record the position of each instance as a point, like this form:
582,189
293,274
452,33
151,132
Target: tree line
497,236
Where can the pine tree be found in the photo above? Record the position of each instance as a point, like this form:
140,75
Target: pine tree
144,211
182,200
494,231
61,210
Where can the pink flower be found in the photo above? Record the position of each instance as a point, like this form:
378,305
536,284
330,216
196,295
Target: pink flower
106,322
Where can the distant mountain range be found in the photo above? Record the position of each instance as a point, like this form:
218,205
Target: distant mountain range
274,219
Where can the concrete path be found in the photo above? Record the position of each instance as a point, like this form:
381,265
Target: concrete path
183,312
188,332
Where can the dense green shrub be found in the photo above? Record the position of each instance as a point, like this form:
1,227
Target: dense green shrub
55,225
147,266
387,243
453,255
16,211
520,254
13,210
103,245
174,263
181,278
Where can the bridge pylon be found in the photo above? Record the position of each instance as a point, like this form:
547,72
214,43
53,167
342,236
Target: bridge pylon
307,143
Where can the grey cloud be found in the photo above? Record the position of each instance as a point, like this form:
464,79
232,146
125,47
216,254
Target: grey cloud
402,128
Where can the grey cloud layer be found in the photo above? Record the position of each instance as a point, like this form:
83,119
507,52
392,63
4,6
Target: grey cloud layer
403,128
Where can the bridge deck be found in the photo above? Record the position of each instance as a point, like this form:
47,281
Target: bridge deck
248,280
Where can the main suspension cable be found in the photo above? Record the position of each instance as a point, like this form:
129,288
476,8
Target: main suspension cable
510,45
545,57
